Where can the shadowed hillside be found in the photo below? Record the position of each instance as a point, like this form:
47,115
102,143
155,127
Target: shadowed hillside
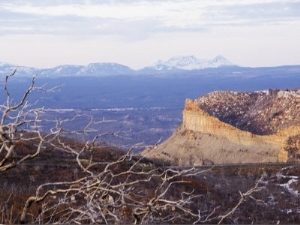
217,189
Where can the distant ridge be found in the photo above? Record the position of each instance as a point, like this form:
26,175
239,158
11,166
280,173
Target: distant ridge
186,63
92,69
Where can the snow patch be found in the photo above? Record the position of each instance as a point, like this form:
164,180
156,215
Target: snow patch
191,63
288,184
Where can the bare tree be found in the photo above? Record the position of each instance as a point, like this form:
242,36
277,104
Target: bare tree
14,117
125,191
136,193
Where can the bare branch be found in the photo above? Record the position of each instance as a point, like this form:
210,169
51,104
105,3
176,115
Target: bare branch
243,197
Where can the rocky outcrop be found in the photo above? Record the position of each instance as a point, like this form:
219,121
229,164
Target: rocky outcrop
211,131
261,112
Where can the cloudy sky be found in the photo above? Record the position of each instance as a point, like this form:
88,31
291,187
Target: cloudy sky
138,33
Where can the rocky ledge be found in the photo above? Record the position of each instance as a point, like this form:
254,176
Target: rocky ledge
235,127
261,112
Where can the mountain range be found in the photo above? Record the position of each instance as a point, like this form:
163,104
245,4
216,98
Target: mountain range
191,63
180,63
103,86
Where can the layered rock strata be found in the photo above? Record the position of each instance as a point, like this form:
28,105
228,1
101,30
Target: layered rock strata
203,138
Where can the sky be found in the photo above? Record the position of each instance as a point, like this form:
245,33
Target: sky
138,33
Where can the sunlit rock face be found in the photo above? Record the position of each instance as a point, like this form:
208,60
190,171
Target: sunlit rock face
235,127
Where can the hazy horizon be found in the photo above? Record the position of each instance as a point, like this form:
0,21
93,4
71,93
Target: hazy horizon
45,34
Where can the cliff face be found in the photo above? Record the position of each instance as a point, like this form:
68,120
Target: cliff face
204,138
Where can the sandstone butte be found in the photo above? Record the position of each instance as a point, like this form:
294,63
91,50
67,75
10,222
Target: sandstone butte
227,127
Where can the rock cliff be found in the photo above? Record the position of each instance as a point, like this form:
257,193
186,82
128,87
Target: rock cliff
235,127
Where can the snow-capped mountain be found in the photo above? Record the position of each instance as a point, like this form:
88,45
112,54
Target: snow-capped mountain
219,61
108,69
180,62
64,70
6,69
104,69
191,63
93,69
